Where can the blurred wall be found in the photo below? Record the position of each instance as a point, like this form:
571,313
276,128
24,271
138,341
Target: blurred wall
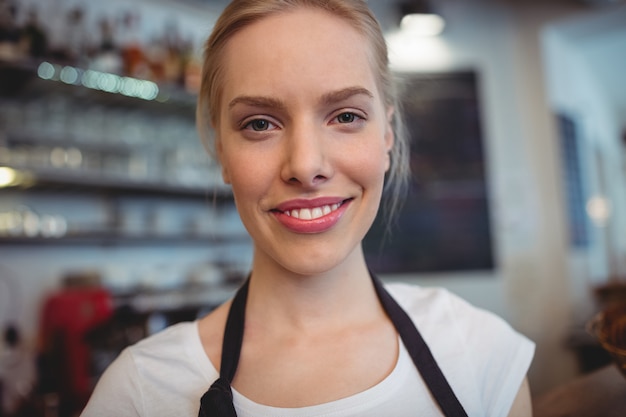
583,57
541,285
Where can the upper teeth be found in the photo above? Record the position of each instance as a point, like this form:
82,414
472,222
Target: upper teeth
312,213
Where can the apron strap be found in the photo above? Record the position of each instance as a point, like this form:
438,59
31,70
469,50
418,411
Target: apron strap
233,334
420,353
218,400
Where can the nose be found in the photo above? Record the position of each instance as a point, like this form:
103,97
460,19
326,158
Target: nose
306,157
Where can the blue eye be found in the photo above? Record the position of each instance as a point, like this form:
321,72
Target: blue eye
346,118
258,125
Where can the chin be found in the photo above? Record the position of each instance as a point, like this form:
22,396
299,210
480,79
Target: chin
309,270
319,264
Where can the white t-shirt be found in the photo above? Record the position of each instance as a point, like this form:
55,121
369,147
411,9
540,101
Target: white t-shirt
482,357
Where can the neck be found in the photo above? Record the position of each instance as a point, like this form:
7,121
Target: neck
303,302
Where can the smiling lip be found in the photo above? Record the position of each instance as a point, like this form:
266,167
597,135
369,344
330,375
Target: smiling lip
311,216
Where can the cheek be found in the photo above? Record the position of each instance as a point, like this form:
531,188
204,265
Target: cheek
368,166
247,173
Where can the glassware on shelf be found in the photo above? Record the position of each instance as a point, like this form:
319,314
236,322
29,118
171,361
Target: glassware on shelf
25,222
90,123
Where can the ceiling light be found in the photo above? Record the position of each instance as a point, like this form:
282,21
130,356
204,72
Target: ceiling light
417,17
423,24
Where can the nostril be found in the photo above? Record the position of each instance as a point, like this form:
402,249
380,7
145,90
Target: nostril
315,180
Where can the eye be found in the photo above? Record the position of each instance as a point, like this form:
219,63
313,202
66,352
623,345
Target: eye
347,117
259,125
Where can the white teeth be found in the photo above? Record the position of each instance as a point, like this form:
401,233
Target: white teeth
314,213
305,214
317,212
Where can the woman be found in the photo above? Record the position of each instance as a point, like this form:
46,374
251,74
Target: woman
300,100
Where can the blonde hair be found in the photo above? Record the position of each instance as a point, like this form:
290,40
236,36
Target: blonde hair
241,13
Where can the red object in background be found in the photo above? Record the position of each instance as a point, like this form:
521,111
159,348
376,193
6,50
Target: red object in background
67,317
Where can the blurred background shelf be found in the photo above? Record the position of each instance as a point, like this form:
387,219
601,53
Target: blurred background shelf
87,182
121,239
21,77
102,163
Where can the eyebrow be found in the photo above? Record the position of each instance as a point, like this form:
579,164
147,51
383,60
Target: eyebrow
328,98
257,101
344,94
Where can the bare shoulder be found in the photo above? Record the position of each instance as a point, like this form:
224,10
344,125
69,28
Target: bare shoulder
211,329
522,406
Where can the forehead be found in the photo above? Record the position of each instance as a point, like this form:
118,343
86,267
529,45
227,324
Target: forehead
297,51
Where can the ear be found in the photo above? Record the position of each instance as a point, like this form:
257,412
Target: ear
389,136
219,151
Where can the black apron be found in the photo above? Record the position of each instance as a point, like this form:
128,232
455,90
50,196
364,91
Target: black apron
218,400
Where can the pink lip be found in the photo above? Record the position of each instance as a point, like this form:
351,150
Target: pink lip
318,225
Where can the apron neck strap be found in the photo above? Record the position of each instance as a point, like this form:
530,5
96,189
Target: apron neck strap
218,401
233,333
420,353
